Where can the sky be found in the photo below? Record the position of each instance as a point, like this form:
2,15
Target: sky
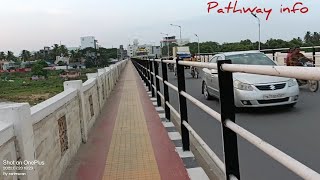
33,24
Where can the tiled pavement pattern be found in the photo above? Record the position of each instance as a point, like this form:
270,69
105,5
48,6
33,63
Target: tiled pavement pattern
129,141
131,154
194,171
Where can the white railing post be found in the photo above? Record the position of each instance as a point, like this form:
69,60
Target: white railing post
20,115
77,84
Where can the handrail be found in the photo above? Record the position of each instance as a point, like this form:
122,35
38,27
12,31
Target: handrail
304,73
202,106
171,86
212,155
199,64
160,78
292,164
291,72
173,109
160,94
279,49
169,61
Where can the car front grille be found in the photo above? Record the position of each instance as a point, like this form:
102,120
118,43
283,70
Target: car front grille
271,87
270,101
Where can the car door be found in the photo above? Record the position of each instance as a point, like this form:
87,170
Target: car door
210,75
215,78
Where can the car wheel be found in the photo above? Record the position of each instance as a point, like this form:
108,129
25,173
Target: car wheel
206,93
313,86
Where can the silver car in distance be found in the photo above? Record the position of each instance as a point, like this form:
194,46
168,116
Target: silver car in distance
251,90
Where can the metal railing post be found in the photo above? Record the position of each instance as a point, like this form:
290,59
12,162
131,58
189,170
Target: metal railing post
165,89
156,72
139,64
230,144
183,106
273,55
314,55
147,74
151,77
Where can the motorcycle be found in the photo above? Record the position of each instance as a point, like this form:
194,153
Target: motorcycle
194,72
312,84
171,67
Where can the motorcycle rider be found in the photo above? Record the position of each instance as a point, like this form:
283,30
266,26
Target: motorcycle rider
194,59
288,56
295,56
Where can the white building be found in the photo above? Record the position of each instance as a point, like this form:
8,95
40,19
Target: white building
89,41
130,50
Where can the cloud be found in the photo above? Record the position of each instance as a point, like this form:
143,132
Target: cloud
58,12
41,10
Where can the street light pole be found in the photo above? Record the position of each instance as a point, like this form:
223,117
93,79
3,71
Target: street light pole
180,30
198,45
254,15
167,44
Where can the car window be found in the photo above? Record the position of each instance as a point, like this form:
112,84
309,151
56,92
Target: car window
220,58
213,60
251,59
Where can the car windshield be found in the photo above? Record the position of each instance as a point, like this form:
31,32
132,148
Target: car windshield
251,59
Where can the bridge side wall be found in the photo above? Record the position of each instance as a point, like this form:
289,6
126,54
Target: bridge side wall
47,137
52,131
7,146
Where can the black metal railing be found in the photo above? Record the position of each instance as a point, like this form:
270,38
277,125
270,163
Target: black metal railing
149,69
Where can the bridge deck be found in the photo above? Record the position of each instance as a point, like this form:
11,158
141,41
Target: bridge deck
129,141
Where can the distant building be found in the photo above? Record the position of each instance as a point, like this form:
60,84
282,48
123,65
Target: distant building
143,50
2,62
156,51
168,40
172,39
7,65
131,50
45,52
89,41
121,53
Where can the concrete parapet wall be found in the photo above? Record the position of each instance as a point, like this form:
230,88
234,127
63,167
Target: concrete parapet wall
51,132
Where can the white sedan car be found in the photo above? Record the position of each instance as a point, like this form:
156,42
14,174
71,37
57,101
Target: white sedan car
251,90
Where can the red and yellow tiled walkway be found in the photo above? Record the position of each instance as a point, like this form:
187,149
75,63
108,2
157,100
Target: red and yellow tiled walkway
131,153
129,141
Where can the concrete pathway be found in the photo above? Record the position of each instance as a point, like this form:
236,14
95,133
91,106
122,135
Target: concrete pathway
129,140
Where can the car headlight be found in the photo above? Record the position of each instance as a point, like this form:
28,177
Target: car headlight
242,86
292,82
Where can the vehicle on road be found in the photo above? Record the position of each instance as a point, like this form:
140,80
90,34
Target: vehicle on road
194,72
312,84
183,52
252,90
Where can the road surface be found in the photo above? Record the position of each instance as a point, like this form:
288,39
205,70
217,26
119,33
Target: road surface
295,131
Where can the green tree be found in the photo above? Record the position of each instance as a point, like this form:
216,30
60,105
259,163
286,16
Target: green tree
43,63
37,56
38,69
2,55
25,55
11,57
